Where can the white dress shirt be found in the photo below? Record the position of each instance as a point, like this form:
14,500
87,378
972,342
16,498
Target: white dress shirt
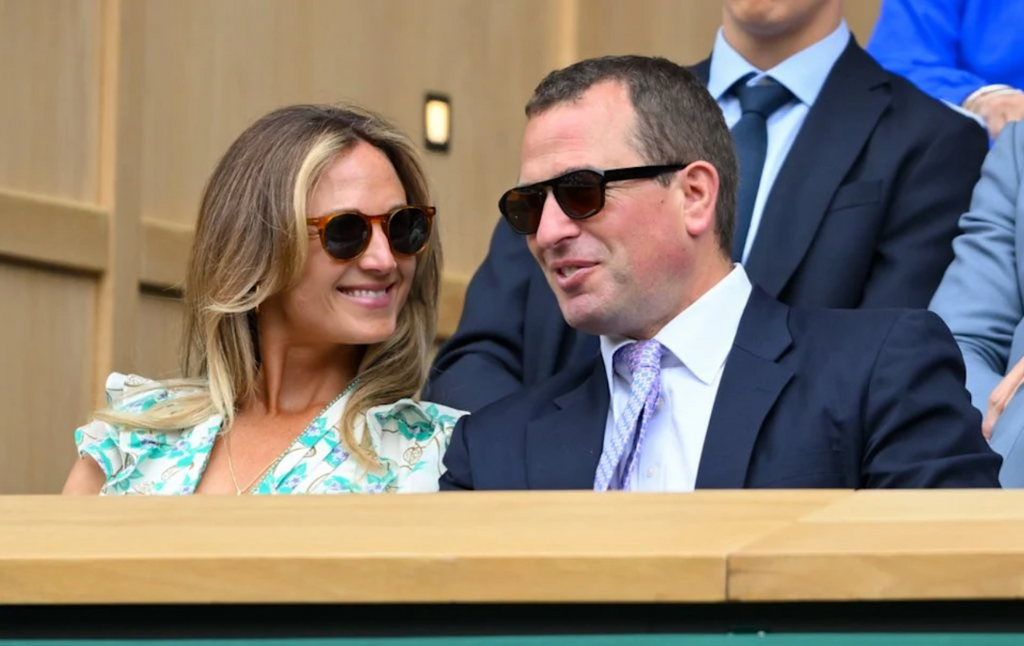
803,74
697,343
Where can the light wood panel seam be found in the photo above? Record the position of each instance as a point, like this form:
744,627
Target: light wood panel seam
120,72
730,565
537,546
54,232
164,253
568,33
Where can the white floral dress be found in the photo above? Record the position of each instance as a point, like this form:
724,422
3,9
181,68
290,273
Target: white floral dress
410,437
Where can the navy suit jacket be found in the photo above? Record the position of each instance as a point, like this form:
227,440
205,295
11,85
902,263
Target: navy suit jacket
862,214
807,399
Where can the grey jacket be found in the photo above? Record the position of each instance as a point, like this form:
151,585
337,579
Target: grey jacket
981,296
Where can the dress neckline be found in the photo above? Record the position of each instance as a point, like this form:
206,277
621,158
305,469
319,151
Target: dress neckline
214,430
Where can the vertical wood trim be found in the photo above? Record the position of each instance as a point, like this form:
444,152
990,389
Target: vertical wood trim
567,37
119,180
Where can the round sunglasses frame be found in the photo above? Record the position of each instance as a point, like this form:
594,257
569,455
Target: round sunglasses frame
321,223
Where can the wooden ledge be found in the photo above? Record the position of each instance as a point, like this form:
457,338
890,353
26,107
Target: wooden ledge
474,547
891,545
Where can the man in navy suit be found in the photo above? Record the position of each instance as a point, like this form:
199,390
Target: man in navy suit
855,204
627,201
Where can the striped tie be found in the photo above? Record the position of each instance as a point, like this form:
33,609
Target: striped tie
620,457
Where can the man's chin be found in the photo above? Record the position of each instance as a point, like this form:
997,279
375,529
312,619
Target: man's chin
581,317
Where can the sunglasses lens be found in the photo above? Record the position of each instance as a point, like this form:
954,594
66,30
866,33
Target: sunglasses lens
408,230
522,208
346,236
579,194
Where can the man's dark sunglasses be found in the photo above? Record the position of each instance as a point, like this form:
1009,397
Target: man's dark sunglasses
579,193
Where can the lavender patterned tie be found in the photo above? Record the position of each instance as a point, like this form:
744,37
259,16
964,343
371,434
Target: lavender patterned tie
621,454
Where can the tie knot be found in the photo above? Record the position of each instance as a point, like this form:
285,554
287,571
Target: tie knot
640,355
764,98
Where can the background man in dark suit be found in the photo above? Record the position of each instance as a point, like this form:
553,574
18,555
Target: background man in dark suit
626,199
852,181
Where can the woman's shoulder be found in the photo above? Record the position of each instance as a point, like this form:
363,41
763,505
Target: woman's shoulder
130,393
119,447
413,420
411,437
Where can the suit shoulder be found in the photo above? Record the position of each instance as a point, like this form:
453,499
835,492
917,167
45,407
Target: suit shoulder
539,396
915,105
861,327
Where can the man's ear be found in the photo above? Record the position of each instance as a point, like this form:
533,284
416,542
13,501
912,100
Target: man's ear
699,185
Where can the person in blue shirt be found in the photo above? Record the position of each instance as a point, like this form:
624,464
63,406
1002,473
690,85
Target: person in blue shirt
968,53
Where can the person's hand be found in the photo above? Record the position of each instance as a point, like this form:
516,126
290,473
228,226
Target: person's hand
1001,396
998,109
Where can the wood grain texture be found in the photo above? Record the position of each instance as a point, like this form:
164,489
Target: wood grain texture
51,231
47,341
49,69
163,258
450,304
119,153
211,68
861,16
680,30
158,337
573,546
891,545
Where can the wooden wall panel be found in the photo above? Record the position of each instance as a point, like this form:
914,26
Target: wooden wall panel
157,337
119,152
213,67
40,229
861,16
682,30
49,70
47,342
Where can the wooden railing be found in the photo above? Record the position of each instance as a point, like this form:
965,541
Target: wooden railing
518,547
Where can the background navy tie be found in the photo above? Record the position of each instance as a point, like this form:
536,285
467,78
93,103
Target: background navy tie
750,134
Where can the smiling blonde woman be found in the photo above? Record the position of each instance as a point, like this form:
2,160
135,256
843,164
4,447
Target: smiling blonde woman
310,309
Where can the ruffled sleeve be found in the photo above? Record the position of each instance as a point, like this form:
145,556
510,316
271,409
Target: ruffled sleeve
120,451
100,440
411,437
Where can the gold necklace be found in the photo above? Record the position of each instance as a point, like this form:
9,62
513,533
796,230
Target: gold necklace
231,467
273,465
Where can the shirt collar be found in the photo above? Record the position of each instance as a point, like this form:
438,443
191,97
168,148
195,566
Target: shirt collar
803,73
702,336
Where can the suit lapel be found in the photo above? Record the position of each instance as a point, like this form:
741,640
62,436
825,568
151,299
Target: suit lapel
838,125
702,70
751,383
564,447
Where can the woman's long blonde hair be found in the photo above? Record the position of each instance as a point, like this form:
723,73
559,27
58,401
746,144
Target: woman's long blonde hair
251,242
